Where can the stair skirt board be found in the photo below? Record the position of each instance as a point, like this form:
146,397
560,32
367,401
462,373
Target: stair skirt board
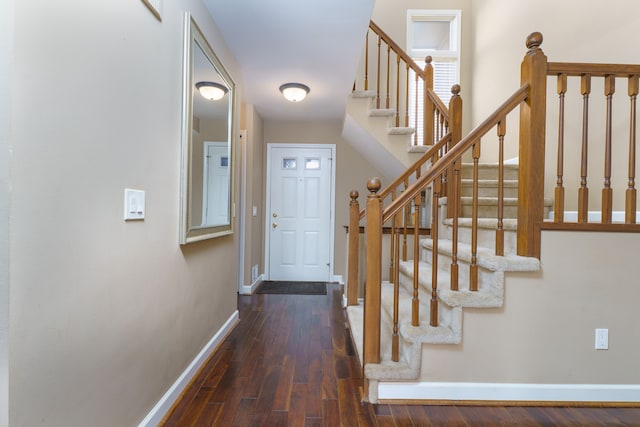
504,393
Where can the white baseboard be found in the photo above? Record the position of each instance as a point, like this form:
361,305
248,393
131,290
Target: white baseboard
509,392
248,290
165,403
337,278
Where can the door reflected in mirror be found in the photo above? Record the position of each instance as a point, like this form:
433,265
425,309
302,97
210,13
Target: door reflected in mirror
207,153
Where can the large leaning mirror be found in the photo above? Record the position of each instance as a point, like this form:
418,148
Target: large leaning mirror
207,148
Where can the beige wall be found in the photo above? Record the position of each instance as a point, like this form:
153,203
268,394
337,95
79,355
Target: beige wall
352,171
545,332
254,231
574,31
105,314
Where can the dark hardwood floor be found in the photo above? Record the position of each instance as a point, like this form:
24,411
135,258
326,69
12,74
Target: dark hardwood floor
290,362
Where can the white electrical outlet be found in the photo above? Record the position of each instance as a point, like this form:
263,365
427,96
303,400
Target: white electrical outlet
602,339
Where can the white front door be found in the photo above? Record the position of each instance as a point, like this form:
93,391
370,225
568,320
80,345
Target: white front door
299,217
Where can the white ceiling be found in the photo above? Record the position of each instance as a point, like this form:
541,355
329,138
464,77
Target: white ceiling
317,43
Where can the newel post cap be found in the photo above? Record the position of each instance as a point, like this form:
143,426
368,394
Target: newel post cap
374,184
534,41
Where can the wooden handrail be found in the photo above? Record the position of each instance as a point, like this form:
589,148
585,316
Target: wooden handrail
439,166
577,69
412,169
436,100
397,49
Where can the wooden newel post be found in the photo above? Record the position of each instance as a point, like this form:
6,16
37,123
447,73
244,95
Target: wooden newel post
354,249
532,142
427,120
455,127
373,281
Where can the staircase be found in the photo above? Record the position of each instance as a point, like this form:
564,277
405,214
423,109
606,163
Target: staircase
487,226
490,291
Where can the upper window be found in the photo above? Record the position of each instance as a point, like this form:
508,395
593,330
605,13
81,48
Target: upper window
436,33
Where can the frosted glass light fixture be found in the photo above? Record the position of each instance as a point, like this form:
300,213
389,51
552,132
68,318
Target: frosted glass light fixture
211,91
294,92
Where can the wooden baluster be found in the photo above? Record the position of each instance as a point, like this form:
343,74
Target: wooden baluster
354,249
395,339
407,213
373,281
415,300
583,191
607,191
558,214
473,268
532,148
397,90
502,130
428,104
393,240
388,76
366,62
378,74
415,112
406,99
630,196
445,176
433,305
455,127
454,200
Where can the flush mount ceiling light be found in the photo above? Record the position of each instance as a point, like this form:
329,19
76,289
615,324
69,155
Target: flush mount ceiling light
294,92
211,91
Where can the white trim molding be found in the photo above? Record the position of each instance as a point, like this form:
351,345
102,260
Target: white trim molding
165,403
249,290
509,392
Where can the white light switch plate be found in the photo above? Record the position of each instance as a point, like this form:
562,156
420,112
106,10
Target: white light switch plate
602,339
133,204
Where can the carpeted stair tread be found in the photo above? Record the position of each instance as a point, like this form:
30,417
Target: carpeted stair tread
364,94
401,131
486,258
423,334
489,295
382,112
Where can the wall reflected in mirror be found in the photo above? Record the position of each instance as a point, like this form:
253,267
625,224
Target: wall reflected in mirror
207,148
